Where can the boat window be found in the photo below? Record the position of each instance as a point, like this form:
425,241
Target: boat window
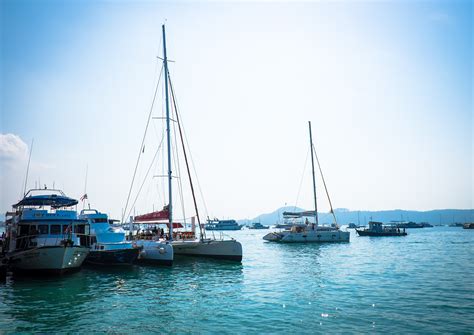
32,230
99,220
55,229
79,229
43,229
24,230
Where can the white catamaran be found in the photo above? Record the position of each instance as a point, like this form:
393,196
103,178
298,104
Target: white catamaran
307,231
182,241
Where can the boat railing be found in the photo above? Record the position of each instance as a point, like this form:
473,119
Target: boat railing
35,241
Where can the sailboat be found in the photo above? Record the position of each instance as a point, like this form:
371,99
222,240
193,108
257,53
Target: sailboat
183,242
309,231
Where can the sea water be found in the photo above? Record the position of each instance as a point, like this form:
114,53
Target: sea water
421,283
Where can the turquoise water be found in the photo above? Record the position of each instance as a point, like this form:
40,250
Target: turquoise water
422,283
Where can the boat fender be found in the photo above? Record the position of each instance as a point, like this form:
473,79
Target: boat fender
162,250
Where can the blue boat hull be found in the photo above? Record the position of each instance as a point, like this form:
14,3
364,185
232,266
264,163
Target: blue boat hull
112,257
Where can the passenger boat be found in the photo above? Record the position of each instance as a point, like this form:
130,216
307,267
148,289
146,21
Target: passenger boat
217,224
160,246
257,225
308,231
109,245
468,225
44,233
378,229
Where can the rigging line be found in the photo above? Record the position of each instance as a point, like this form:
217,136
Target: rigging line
185,157
28,166
324,183
301,181
143,141
163,154
146,176
192,160
176,159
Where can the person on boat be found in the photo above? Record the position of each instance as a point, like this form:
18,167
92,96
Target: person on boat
162,233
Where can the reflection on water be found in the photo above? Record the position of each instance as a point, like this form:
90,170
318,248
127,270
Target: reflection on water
417,283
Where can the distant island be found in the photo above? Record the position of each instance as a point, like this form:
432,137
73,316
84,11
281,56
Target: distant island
344,216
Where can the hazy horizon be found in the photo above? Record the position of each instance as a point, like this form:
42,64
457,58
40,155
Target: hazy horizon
387,86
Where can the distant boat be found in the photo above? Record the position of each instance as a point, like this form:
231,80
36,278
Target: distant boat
284,225
468,226
457,224
426,225
378,229
309,231
216,224
352,225
405,224
257,225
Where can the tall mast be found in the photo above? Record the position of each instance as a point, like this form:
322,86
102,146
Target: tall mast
314,178
168,136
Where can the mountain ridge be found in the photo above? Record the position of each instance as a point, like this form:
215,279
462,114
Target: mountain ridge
345,216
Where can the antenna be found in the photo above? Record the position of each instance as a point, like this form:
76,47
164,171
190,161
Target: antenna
28,167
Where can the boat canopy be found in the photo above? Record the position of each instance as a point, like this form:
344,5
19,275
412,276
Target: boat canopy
288,215
56,199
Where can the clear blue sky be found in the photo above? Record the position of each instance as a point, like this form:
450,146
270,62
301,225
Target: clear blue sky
388,86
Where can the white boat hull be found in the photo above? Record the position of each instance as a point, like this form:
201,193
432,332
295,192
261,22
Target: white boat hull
56,259
226,249
313,236
224,228
155,252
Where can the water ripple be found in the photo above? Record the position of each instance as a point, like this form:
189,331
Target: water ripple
417,284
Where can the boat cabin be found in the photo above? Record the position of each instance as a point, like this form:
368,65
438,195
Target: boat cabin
44,219
375,226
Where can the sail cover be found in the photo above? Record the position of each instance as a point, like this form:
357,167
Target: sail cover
157,218
154,216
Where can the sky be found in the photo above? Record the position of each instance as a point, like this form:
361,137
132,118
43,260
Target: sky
387,85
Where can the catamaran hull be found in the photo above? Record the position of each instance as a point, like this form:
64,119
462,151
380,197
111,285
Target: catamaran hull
225,250
308,236
113,257
155,253
53,259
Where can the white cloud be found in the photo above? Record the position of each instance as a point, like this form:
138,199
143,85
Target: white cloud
12,147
